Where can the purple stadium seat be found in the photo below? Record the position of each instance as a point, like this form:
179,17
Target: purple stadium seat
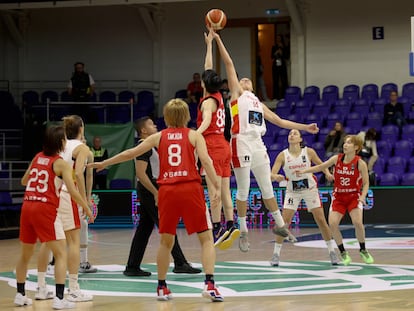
403,148
374,119
355,121
293,94
407,179
342,106
283,109
120,183
332,118
330,94
369,92
387,88
379,166
410,165
282,136
390,133
396,165
389,179
379,104
408,90
351,93
107,96
311,94
319,149
384,149
181,94
407,132
361,106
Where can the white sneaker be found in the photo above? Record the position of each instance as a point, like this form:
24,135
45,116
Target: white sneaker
60,304
244,244
42,293
274,262
78,296
21,300
334,258
50,269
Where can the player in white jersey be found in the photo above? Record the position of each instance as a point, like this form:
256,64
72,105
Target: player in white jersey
248,150
75,225
298,157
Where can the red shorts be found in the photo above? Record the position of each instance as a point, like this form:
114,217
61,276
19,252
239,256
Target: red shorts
342,203
219,151
186,201
40,221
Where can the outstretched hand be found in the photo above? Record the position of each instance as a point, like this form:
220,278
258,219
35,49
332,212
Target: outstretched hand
98,165
312,128
210,36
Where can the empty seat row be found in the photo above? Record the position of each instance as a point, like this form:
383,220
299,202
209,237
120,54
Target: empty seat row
351,92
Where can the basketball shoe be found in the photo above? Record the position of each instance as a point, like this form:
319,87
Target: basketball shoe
59,304
86,267
211,292
233,234
346,259
274,262
244,244
366,257
21,300
42,293
163,293
219,235
284,232
334,258
78,296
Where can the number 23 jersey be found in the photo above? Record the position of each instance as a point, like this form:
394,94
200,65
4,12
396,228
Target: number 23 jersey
43,186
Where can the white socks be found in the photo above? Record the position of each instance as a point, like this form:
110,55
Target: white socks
243,224
277,216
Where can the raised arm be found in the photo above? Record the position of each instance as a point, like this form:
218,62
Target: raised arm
314,158
272,117
208,62
232,78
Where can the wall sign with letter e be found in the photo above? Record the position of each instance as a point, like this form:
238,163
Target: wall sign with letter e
378,33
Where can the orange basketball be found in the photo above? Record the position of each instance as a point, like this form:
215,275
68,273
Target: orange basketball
216,19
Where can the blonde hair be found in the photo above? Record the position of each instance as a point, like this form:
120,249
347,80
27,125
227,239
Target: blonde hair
72,125
176,113
356,140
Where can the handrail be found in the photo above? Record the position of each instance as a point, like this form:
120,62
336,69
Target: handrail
57,103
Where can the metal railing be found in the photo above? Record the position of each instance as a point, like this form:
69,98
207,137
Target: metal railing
11,173
11,143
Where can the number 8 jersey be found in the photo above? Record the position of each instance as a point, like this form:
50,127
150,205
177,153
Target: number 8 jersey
177,157
43,186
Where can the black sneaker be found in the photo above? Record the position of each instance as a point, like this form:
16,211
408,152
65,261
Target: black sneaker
186,268
136,272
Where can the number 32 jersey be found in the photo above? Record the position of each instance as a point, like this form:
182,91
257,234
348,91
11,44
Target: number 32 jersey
347,176
177,157
43,186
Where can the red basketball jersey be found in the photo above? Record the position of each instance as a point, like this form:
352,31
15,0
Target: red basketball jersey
217,118
43,186
177,157
347,176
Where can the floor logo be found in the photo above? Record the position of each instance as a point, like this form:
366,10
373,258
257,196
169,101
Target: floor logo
254,278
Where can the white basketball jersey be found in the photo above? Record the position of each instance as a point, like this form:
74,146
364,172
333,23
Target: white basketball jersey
66,154
292,164
247,111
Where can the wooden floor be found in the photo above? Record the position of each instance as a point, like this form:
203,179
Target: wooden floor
111,246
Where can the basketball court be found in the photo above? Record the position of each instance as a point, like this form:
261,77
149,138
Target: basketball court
304,280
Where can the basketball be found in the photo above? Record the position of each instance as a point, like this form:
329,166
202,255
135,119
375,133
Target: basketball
216,19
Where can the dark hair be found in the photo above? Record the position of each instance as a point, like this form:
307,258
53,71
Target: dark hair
212,81
79,63
371,134
140,123
72,125
53,140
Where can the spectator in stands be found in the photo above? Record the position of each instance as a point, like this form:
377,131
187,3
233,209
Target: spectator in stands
369,152
99,154
194,89
335,140
280,56
81,87
394,111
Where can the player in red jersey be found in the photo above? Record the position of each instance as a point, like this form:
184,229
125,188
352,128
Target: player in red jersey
39,219
210,123
351,185
180,193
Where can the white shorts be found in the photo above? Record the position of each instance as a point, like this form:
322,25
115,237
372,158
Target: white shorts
248,151
68,212
310,196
